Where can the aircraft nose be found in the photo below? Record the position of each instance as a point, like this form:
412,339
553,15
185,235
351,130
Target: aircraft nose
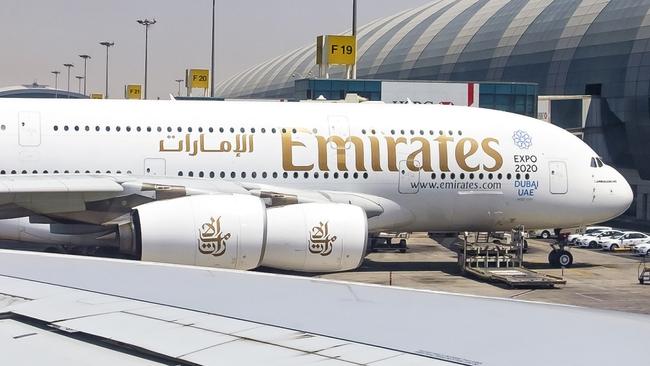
622,193
625,192
613,195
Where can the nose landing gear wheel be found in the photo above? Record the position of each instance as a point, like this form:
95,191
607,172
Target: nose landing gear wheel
560,258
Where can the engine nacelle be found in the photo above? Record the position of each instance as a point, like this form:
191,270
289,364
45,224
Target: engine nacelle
225,231
239,232
316,237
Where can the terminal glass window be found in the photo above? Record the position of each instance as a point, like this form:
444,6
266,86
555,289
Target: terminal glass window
520,98
567,113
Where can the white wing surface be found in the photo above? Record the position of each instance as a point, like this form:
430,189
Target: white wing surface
203,316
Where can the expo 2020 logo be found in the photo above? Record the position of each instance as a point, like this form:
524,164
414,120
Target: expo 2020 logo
522,139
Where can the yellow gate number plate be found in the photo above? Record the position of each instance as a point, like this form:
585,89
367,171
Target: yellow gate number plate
133,91
341,50
198,78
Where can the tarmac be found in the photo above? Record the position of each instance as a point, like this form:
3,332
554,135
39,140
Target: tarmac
597,279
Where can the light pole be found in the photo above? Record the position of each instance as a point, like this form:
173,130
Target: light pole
56,83
79,77
107,45
69,66
212,55
179,81
85,57
146,23
354,33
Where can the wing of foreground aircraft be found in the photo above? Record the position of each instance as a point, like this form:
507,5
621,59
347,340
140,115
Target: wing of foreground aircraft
66,308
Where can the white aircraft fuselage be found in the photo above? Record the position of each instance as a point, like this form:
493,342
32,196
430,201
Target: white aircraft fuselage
443,167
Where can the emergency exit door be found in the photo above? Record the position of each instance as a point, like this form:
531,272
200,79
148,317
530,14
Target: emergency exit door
156,167
29,128
558,180
409,180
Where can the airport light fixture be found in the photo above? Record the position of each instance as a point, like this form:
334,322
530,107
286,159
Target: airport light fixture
146,23
179,81
56,82
80,78
212,55
85,57
354,33
69,66
107,45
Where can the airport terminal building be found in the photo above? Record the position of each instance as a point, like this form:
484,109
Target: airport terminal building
590,60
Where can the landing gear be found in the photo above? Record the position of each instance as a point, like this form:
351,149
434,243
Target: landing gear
384,241
560,257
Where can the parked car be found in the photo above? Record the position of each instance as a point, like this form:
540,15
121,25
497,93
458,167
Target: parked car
541,233
578,239
588,230
591,240
642,249
626,240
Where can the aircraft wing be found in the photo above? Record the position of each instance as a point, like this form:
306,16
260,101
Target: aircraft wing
101,199
56,309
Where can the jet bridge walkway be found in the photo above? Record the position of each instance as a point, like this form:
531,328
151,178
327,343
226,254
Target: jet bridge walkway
501,263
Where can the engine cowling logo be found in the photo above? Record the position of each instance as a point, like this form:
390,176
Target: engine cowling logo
320,239
211,239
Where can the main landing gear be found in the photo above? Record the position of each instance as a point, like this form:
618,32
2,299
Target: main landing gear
560,256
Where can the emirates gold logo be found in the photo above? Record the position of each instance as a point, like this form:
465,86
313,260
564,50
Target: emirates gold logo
320,239
211,239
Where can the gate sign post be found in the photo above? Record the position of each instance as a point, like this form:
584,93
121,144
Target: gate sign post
335,50
197,79
133,91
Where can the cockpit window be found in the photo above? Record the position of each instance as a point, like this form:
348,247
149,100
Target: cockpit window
596,163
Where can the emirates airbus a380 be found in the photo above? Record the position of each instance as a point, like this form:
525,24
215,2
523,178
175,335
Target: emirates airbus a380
297,186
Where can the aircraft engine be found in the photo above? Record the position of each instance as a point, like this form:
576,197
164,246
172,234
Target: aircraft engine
316,237
225,231
239,232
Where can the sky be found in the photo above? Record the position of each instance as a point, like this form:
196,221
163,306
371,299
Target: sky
39,36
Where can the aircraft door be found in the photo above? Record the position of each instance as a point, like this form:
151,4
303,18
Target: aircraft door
558,179
155,167
339,126
29,128
409,180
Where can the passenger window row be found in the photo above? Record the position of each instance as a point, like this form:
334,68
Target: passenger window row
5,172
263,130
274,175
98,128
480,176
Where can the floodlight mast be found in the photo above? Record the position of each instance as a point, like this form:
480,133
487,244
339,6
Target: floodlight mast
107,45
69,66
85,57
80,78
56,83
212,54
146,23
